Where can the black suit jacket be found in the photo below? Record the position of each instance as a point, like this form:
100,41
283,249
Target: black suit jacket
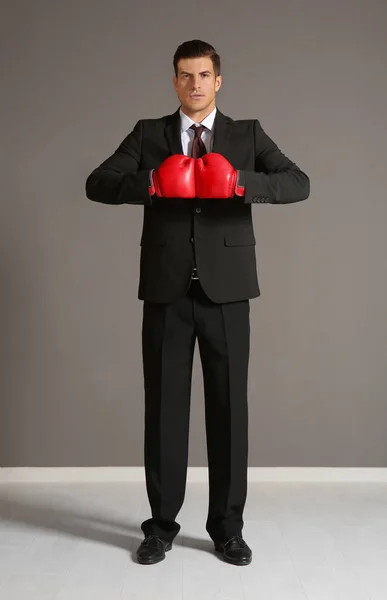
220,230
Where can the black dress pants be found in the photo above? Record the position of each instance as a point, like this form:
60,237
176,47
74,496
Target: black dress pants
169,334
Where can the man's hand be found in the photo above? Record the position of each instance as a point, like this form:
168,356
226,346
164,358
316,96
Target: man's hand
216,177
174,178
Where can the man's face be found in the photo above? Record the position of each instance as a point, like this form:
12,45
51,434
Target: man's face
196,85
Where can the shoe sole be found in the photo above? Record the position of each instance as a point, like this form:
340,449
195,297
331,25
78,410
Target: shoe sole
145,561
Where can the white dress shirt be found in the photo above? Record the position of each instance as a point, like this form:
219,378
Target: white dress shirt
187,134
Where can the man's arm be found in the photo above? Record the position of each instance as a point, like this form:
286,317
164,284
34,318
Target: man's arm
281,181
118,179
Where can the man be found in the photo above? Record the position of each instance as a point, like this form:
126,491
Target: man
196,172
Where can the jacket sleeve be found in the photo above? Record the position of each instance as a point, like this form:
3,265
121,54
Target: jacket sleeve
118,180
276,179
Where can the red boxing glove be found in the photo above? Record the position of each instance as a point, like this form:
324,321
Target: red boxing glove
175,178
217,178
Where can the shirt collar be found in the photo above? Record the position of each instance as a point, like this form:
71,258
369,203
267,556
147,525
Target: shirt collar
186,122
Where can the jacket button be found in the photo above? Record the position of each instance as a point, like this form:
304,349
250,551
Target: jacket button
198,210
192,240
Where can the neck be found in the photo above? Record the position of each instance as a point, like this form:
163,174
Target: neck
197,116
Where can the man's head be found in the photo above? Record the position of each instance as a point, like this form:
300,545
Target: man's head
197,78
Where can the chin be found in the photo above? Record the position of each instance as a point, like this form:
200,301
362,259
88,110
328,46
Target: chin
197,106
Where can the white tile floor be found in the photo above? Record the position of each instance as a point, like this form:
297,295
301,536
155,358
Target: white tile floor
315,541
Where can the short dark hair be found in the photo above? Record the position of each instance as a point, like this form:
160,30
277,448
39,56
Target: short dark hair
196,49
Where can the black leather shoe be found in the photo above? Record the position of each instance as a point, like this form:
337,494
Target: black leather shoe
235,550
152,549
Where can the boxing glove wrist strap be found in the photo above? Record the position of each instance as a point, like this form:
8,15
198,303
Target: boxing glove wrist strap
240,186
151,185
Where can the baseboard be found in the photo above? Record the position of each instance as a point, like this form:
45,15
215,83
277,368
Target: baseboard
194,474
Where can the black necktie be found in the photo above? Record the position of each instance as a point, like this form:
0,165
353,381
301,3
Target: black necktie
198,147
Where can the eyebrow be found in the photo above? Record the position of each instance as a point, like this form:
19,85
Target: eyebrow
186,72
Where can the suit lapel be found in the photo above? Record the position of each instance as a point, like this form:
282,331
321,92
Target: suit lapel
221,133
222,127
172,133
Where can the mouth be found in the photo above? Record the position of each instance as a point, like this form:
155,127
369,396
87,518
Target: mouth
197,96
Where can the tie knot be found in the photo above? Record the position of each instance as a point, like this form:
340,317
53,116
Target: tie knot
198,130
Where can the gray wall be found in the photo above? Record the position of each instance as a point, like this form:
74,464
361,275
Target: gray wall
76,76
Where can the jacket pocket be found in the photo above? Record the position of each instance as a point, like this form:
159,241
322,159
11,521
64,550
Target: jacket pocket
240,239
